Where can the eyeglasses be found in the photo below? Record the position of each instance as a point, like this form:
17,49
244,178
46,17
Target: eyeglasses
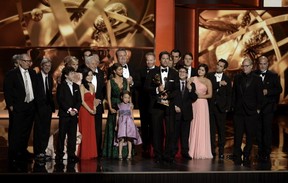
245,65
180,71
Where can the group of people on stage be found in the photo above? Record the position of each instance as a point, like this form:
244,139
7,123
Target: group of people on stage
181,108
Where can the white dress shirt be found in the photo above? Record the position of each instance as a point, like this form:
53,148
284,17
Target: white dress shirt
218,76
25,73
126,73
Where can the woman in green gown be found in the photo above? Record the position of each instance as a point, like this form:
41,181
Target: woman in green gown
115,85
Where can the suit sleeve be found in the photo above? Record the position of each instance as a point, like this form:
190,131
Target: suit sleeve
276,89
8,88
192,93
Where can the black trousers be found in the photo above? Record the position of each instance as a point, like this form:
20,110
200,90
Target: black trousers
244,124
182,130
162,120
98,130
20,129
67,126
264,133
217,124
42,127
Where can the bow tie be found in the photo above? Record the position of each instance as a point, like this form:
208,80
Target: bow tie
263,74
164,70
218,75
124,66
94,73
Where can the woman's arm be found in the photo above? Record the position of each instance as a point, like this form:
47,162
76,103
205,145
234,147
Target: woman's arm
108,93
209,90
84,104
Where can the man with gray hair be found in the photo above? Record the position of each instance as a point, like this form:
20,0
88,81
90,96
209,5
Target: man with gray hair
19,92
45,108
247,97
15,59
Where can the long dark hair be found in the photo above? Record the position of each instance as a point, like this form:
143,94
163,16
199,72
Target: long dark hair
113,68
85,72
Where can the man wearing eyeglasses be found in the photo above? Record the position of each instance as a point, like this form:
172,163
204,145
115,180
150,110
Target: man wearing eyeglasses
19,93
271,91
247,97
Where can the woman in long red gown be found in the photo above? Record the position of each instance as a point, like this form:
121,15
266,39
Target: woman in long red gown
88,146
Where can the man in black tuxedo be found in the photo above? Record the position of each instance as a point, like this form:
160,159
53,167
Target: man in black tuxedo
247,98
162,84
19,92
188,59
45,108
184,112
98,81
219,105
143,102
69,101
271,91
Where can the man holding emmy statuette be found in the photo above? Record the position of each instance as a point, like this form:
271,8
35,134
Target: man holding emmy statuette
162,84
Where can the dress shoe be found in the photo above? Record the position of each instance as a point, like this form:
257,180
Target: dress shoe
221,156
58,159
28,155
169,160
186,156
73,159
237,160
246,161
157,160
43,157
265,158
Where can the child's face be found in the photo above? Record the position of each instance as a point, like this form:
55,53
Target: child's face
126,98
70,76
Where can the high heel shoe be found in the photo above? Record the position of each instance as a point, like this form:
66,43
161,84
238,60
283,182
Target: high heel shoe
129,157
120,157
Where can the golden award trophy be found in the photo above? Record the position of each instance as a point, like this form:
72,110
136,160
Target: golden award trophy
162,96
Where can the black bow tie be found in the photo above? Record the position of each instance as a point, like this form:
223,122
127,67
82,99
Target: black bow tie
263,74
164,70
125,66
94,73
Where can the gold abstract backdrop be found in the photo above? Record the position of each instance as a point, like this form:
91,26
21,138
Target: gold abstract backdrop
101,23
235,34
58,28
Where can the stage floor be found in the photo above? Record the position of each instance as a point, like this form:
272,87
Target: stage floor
115,170
278,162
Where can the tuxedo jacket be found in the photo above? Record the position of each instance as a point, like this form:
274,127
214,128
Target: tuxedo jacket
221,97
66,100
42,98
194,72
247,94
139,84
184,102
272,84
171,86
100,90
14,88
